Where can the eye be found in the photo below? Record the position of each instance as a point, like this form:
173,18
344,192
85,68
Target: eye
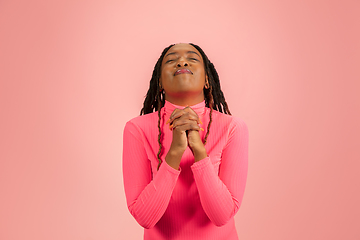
168,61
194,59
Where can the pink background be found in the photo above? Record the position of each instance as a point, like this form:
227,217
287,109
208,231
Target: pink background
73,72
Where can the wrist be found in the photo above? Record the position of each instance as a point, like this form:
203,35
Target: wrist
199,153
173,158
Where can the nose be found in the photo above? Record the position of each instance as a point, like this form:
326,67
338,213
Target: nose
182,63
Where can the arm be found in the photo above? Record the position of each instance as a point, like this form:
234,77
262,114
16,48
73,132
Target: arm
147,198
221,195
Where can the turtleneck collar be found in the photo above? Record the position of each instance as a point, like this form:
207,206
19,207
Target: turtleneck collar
198,108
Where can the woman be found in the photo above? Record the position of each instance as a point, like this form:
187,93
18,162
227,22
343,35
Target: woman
185,165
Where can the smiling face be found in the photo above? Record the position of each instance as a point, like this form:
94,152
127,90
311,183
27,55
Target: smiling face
183,75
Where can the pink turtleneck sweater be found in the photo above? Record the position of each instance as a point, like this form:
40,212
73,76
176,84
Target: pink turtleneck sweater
198,201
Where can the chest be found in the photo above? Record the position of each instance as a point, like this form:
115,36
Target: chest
216,142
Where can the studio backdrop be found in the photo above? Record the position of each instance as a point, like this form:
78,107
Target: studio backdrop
72,73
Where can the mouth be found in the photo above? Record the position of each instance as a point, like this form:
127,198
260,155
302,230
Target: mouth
181,71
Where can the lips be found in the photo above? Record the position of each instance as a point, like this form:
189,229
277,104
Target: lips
183,70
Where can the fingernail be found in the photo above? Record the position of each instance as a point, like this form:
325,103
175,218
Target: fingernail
201,129
170,127
168,121
200,121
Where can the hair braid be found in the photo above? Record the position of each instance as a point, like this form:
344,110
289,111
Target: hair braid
211,100
159,136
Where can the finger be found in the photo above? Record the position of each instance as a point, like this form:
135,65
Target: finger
177,127
171,115
186,112
185,126
183,119
189,109
177,114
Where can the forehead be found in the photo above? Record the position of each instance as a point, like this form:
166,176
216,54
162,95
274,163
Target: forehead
182,48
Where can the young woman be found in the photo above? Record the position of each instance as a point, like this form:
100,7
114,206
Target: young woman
185,165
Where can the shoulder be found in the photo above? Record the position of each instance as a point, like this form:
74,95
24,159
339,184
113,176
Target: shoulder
144,119
231,123
225,119
140,123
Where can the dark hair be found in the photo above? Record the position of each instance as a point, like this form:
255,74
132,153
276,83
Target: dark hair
214,97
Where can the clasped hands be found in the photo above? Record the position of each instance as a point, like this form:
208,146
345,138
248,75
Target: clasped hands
184,124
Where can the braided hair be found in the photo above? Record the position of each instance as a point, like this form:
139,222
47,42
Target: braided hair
214,97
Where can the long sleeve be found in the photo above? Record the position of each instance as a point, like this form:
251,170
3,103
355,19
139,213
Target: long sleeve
147,198
221,194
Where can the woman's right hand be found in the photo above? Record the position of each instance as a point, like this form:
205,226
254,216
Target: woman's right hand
181,121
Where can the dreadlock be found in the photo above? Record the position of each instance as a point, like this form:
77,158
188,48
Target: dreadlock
214,97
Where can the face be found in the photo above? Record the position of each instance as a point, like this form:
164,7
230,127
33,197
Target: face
182,73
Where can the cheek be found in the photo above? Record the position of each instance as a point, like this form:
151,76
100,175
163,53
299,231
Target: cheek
200,71
201,76
166,71
166,79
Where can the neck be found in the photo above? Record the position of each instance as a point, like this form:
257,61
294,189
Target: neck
199,108
185,100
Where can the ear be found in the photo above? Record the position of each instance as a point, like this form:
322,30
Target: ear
160,85
207,85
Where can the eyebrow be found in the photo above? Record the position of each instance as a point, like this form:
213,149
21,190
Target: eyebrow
173,53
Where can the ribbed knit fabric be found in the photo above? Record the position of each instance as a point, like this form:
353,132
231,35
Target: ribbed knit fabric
198,201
